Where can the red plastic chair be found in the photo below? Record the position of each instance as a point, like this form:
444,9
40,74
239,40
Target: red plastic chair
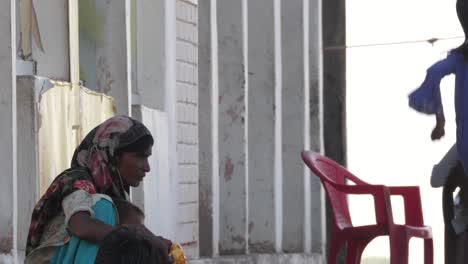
356,238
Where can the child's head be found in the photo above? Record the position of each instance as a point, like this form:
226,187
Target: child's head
128,212
125,246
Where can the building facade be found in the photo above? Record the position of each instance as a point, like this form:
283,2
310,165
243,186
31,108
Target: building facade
231,89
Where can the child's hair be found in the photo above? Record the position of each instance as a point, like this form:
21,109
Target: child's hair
125,246
126,209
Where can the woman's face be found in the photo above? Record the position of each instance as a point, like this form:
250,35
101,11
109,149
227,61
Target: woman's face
133,166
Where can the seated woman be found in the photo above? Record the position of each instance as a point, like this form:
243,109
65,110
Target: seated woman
70,220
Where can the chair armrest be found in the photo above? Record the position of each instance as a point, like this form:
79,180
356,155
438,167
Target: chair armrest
412,202
381,195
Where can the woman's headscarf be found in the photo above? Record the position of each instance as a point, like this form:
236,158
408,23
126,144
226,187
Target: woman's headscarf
93,169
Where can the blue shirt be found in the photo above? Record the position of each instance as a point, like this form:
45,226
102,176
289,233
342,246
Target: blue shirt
427,98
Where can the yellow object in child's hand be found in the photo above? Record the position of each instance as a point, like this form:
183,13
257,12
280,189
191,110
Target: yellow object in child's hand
177,254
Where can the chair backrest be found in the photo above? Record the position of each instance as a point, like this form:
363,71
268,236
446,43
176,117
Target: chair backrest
331,172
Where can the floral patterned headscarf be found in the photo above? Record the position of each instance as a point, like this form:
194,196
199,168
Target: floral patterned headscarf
93,169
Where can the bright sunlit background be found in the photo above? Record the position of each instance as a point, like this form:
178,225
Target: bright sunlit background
388,142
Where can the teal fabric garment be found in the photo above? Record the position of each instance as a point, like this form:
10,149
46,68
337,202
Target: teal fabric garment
79,251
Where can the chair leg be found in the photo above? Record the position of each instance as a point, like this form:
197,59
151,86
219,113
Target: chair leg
354,250
361,248
399,249
351,251
335,246
428,251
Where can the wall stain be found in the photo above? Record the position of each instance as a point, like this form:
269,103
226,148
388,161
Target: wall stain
251,226
6,245
105,81
228,169
233,113
262,246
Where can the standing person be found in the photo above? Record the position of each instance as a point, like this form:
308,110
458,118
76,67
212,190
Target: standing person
427,98
70,220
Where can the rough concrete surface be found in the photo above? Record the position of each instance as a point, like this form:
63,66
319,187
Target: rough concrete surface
264,259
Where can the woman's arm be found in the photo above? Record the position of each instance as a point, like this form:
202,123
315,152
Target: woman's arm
87,216
82,225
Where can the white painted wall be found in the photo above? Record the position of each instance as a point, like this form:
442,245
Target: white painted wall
153,53
158,187
186,95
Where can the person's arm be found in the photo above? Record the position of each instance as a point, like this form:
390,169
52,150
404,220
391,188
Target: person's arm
82,225
80,217
426,99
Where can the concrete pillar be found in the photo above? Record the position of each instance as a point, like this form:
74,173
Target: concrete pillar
74,44
8,180
150,54
315,49
262,202
334,84
334,79
112,57
208,128
294,127
232,128
28,176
